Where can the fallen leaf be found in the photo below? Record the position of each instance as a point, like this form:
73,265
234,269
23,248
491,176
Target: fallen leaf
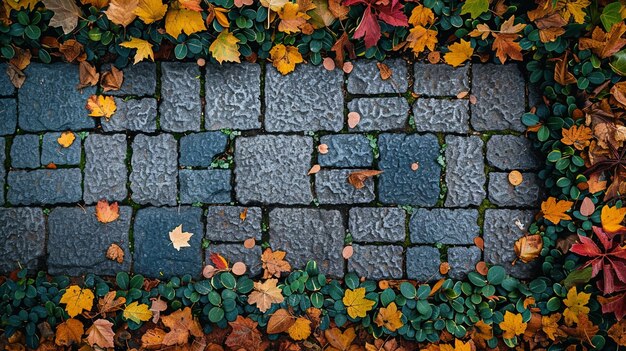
420,38
358,178
415,166
612,218
109,303
152,338
473,100
444,268
181,324
356,303
481,268
122,12
459,53
112,80
587,207
314,169
274,5
66,14
329,64
434,57
181,20
69,332
384,70
550,326
576,304
193,5
347,67
239,268
515,178
150,10
77,300
209,271
462,94
249,243
322,149
101,106
243,215
66,139
389,317
16,76
72,50
617,332
115,253
578,136
285,58
245,335
137,312
101,333
274,263
291,18
561,73
512,325
144,49
225,47
300,329
87,75
96,3
219,261
340,341
21,59
179,238
265,294
528,247
554,211
575,9
347,252
475,8
280,321
107,213
421,16
156,307
480,243
353,119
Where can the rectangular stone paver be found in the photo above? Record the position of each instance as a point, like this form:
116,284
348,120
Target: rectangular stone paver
105,168
380,113
44,186
462,260
23,236
444,226
438,115
225,223
509,152
332,187
365,77
422,263
25,151
154,163
346,150
180,108
440,80
377,224
465,171
53,152
199,149
377,262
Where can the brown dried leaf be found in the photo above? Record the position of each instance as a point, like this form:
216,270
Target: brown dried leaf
329,64
481,268
347,67
181,324
101,333
587,208
245,335
69,332
249,243
314,169
109,303
515,178
239,268
72,50
385,71
357,178
479,242
156,307
87,75
107,213
528,247
112,80
444,267
115,253
122,12
280,321
21,59
274,263
16,76
322,149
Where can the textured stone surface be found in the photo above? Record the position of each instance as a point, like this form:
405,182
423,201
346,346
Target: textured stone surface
237,253
223,223
500,233
436,115
208,186
376,262
399,184
44,186
199,149
422,263
462,260
139,79
154,254
180,108
365,77
444,226
307,233
380,113
25,151
105,172
346,150
502,193
500,96
77,242
332,187
310,98
377,224
136,115
50,101
53,152
23,236
153,179
6,88
440,80
273,169
8,116
509,152
465,171
233,96
2,169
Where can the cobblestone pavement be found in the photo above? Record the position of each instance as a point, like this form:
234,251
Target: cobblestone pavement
199,146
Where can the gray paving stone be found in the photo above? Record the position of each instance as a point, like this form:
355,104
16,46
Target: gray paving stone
210,186
376,262
436,115
139,79
444,226
6,87
44,186
105,172
77,242
23,236
233,96
500,233
365,77
377,224
180,108
332,187
223,223
380,113
136,115
440,80
508,152
25,151
462,260
53,152
50,101
154,254
273,169
2,169
308,99
199,149
422,263
307,233
154,170
495,110
399,184
237,253
346,150
8,115
502,193
465,171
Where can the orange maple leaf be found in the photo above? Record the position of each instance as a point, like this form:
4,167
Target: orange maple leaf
274,263
554,211
612,218
107,213
578,136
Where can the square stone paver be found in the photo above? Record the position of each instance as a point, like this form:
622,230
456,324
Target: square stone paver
211,186
23,236
422,263
440,80
377,224
53,152
199,149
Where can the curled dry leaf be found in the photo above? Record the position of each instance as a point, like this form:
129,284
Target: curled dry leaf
243,214
357,178
218,261
347,252
181,324
112,80
69,332
329,64
481,267
51,165
473,100
528,247
444,268
115,253
587,208
16,76
322,149
347,67
314,169
179,238
249,243
66,139
201,62
72,50
157,306
21,59
66,14
109,303
107,213
516,178
101,333
239,268
385,71
87,75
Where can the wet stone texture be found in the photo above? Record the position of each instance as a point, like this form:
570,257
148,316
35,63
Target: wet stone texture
230,161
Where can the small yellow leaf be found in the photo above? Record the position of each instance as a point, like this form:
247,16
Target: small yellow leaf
181,20
459,53
225,47
69,332
137,312
150,10
389,317
291,19
575,9
578,136
144,49
356,303
77,300
576,304
101,106
550,325
66,139
421,16
612,218
300,330
512,325
554,211
285,58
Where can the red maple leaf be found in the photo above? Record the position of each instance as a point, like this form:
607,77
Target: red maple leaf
388,11
614,304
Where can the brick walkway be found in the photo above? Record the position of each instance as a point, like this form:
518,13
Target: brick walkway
198,146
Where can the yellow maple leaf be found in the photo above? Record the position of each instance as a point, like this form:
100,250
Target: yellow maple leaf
574,9
291,19
180,20
421,16
612,218
285,58
101,106
420,38
554,211
512,325
66,139
389,317
550,325
137,312
459,53
150,10
69,332
225,47
144,49
356,303
76,300
265,294
579,136
576,304
300,329
459,345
